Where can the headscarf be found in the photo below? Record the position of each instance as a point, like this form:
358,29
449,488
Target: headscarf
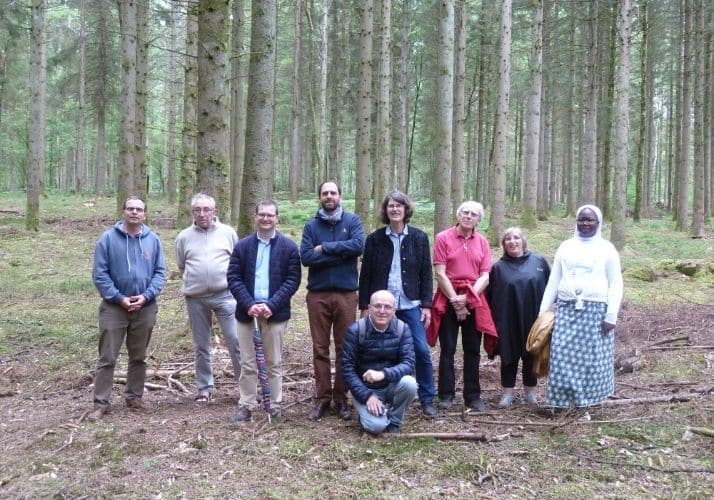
598,214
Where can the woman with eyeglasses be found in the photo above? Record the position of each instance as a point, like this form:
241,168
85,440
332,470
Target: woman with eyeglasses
585,286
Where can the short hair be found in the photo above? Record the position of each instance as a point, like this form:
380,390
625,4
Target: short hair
479,208
266,203
400,198
129,198
319,188
203,196
508,232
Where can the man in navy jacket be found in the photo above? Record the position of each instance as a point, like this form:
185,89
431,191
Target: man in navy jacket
330,246
263,274
377,364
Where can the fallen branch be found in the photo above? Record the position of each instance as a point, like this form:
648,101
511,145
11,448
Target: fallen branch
673,398
670,340
704,431
150,373
172,381
445,436
646,467
678,347
181,368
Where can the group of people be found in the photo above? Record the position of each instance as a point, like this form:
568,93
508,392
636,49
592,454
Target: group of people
383,359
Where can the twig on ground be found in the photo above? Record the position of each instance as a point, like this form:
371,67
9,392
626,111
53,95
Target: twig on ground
704,431
446,436
69,442
558,424
646,467
692,301
670,340
679,347
299,401
673,398
181,368
171,381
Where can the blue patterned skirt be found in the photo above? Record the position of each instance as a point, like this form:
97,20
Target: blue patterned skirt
581,358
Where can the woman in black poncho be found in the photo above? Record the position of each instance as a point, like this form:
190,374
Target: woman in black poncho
516,286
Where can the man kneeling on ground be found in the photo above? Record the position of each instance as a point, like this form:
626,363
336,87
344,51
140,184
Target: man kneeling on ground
377,365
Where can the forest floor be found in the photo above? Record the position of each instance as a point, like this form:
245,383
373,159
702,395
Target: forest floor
644,442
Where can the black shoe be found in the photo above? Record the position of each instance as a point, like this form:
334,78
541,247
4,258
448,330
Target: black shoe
476,405
392,429
318,410
446,403
429,410
241,415
343,410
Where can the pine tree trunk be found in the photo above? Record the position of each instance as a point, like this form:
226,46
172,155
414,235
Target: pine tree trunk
170,149
141,175
458,166
619,212
364,114
445,103
501,134
402,135
237,111
683,170
100,102
530,174
295,140
258,164
697,229
81,163
189,133
589,156
383,132
125,180
36,129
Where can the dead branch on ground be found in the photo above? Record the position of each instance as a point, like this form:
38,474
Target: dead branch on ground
445,436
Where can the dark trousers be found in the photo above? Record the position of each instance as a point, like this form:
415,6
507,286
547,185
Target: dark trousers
471,342
509,371
329,312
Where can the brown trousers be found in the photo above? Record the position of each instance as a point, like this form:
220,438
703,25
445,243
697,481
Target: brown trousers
329,312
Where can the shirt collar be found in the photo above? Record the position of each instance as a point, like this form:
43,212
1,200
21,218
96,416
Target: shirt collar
390,232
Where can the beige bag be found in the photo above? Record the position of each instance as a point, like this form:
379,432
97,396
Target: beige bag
538,343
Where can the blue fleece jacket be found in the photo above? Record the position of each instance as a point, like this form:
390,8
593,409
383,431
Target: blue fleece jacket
335,268
128,265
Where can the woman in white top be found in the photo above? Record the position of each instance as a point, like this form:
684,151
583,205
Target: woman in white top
585,284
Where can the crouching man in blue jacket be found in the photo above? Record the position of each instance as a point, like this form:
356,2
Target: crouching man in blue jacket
377,365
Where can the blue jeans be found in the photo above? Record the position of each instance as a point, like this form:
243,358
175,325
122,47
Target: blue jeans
422,354
199,315
396,397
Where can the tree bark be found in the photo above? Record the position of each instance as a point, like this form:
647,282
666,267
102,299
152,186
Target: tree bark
619,214
445,103
364,113
685,127
36,129
295,142
501,134
258,164
589,156
172,90
141,174
237,111
402,135
80,166
125,180
458,166
383,159
697,228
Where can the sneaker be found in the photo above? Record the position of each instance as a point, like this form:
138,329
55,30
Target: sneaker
505,401
530,398
136,404
241,415
476,405
446,403
392,429
97,413
429,410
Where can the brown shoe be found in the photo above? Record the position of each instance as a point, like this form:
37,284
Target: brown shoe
318,410
343,410
136,404
97,413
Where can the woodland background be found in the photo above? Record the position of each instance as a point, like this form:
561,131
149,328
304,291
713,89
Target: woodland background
539,105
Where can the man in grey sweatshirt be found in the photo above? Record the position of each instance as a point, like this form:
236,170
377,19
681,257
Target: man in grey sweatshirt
203,251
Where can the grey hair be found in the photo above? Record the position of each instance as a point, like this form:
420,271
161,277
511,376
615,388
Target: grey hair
479,209
203,196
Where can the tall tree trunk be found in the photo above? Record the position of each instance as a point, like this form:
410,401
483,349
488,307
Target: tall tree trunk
683,170
605,124
321,149
708,119
569,141
400,159
530,175
172,90
141,175
258,164
445,103
100,101
237,111
698,130
364,113
383,163
80,167
187,173
640,177
619,213
589,156
458,166
295,142
501,134
125,180
36,129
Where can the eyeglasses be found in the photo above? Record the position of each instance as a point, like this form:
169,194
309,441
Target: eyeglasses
265,216
134,209
202,210
381,307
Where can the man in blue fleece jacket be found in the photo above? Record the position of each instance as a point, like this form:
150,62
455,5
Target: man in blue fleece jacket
129,272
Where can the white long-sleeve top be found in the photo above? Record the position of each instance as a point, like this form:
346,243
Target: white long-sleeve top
588,268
